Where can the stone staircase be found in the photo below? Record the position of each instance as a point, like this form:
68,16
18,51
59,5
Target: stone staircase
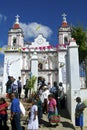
65,123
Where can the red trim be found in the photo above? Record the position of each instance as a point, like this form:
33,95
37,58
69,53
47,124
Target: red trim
16,26
64,24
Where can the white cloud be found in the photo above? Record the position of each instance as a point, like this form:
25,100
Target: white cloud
2,18
5,18
32,30
3,49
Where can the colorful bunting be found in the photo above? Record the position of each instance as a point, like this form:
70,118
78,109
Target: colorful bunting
46,47
57,47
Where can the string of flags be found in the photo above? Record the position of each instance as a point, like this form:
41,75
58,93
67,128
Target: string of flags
46,47
35,48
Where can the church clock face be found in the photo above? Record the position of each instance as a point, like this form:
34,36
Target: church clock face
40,41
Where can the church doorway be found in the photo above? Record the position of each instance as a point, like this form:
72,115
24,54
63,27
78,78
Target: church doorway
41,81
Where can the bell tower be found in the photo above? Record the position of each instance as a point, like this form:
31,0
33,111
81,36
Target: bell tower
15,35
64,32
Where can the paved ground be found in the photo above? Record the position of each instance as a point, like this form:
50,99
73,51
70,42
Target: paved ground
65,123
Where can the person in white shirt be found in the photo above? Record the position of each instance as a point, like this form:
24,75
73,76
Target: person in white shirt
45,98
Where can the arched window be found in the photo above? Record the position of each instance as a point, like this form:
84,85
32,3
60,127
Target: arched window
65,40
14,41
40,66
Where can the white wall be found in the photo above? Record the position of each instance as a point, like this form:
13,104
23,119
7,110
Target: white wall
62,69
13,60
73,80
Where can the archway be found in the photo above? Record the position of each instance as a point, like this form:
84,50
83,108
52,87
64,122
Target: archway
41,81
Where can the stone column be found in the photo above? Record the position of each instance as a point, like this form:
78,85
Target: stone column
24,61
34,67
62,66
73,79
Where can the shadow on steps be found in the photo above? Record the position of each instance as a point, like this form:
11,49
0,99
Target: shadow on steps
66,121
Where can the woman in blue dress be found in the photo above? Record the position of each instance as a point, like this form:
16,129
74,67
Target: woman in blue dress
79,113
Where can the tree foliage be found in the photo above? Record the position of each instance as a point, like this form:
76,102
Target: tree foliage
80,35
31,82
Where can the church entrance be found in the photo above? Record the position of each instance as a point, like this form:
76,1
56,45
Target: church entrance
41,80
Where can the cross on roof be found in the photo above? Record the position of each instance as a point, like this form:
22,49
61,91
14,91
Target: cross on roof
17,19
64,17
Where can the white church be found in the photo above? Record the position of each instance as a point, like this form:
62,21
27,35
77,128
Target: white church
41,59
38,58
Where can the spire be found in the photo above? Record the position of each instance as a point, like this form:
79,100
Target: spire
16,25
64,23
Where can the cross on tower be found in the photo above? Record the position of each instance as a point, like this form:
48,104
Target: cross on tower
64,17
17,19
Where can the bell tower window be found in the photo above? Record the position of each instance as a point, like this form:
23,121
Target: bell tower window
65,40
14,41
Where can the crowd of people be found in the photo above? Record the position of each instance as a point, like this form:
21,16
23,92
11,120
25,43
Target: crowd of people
47,100
15,111
13,86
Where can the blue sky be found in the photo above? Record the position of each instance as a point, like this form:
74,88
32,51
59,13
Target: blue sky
46,13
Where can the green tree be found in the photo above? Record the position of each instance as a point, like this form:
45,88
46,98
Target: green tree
31,82
80,35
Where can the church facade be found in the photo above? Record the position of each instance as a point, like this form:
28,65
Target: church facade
38,58
41,59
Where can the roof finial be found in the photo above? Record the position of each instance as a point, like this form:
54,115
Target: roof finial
64,17
17,19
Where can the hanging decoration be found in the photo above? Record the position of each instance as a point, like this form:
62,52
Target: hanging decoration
41,48
46,47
